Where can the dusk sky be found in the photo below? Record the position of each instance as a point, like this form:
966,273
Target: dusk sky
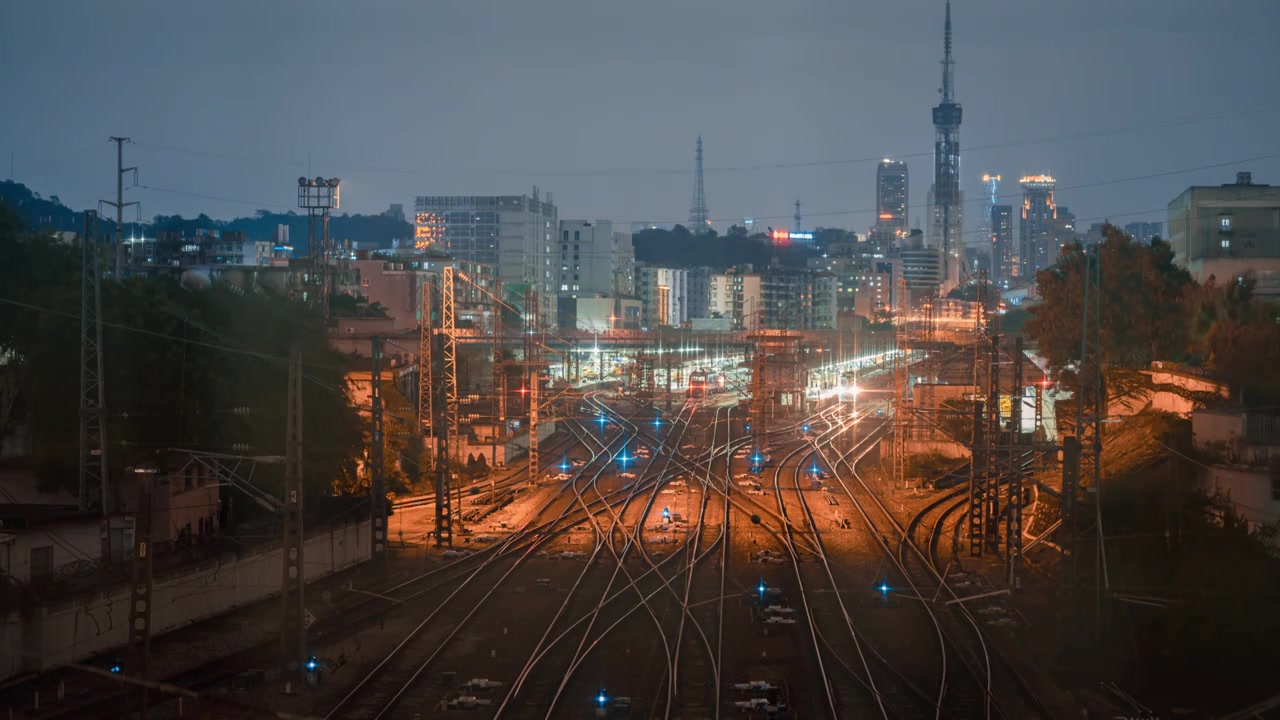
600,103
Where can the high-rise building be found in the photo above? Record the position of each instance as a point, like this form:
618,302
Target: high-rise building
1038,214
698,289
990,196
1143,232
738,296
513,233
595,258
946,202
1229,231
662,294
1004,260
891,197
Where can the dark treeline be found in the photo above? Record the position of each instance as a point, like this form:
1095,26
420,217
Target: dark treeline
679,247
49,214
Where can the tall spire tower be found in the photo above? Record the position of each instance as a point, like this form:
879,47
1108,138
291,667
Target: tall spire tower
699,218
946,221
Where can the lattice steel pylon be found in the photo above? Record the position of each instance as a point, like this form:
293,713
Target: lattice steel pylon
901,385
293,628
426,388
95,493
377,461
699,216
448,319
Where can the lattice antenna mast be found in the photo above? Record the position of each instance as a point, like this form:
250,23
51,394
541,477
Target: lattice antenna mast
95,494
948,64
699,217
449,321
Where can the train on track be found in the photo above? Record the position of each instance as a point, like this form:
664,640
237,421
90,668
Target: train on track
703,383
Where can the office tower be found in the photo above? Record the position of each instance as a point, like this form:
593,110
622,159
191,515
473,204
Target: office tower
891,197
595,258
1004,260
1038,213
990,196
513,233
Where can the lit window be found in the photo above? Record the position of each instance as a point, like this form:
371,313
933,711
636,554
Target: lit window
1225,220
1226,244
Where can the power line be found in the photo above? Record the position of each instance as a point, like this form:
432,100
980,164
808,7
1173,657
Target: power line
755,167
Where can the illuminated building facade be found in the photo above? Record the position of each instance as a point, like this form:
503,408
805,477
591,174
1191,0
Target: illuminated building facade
1004,261
514,233
990,196
891,199
1038,215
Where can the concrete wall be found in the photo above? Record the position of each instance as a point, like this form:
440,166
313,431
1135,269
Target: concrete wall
78,628
1248,489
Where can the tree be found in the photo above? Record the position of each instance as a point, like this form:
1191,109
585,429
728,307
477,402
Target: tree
1143,313
200,370
1237,336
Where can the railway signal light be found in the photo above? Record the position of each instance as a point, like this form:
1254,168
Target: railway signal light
312,664
116,668
806,427
666,514
601,698
884,588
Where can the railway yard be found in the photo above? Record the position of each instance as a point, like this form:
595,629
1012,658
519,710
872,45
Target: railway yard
681,567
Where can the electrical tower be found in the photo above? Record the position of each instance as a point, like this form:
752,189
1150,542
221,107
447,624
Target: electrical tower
120,204
796,217
293,628
95,492
699,217
901,385
318,197
448,319
377,461
426,388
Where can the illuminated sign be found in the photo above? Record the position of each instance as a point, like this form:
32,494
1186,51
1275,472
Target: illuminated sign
785,235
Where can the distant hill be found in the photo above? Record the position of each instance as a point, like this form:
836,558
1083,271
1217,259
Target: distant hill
39,213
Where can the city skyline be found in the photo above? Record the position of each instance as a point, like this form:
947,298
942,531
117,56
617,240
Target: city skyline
191,161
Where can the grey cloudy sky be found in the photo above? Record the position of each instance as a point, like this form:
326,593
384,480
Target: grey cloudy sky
600,102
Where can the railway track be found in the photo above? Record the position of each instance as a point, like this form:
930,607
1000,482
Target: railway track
970,687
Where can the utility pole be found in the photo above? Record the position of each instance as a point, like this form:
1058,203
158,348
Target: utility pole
120,204
426,390
377,463
293,628
139,653
499,373
95,492
1013,531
